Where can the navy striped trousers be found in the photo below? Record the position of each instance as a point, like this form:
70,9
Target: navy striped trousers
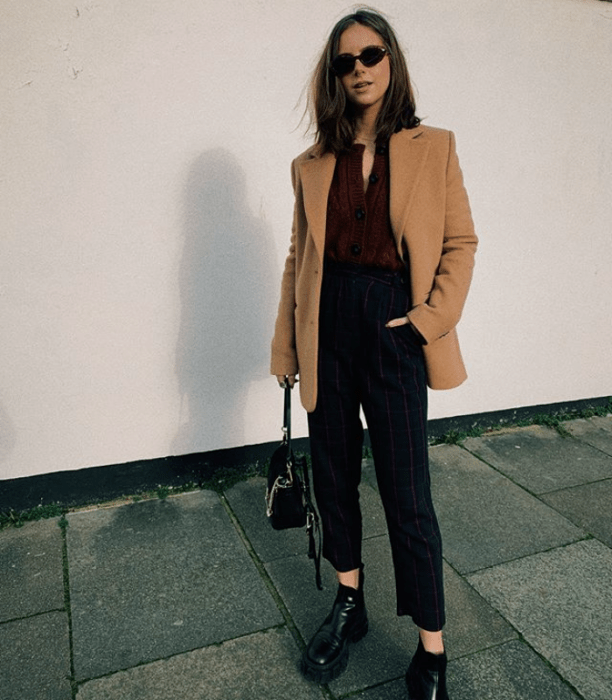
362,363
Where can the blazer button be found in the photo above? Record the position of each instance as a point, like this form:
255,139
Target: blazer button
359,214
355,249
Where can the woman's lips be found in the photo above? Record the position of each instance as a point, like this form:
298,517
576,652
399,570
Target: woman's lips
361,85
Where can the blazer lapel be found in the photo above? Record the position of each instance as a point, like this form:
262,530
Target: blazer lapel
407,155
317,174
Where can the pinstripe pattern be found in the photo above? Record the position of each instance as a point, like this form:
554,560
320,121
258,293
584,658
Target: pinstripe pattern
362,363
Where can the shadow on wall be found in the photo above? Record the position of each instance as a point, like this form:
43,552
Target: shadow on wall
229,286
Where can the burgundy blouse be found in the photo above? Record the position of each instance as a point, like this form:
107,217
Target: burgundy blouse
358,224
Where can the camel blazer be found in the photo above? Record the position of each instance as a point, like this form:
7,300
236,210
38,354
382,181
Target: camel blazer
431,221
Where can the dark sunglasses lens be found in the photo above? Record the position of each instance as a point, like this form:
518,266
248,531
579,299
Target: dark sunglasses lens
370,57
343,65
346,63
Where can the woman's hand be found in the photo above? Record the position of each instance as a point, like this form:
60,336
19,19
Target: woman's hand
397,322
284,379
402,321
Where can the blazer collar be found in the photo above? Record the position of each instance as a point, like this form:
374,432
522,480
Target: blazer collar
407,155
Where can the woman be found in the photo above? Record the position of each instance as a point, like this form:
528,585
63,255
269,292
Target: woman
378,270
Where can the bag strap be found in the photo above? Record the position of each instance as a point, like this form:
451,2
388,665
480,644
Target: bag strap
313,527
287,417
314,547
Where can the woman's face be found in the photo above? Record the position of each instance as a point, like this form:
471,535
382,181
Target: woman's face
364,87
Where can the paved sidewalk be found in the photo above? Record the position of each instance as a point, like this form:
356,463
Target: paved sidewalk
195,597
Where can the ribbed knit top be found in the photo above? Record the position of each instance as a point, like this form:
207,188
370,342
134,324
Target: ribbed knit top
358,224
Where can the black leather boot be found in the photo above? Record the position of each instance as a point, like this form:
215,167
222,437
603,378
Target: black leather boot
426,676
326,657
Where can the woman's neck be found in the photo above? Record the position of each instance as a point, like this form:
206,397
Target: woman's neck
365,126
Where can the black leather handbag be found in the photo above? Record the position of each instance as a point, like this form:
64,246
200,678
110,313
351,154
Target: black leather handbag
288,501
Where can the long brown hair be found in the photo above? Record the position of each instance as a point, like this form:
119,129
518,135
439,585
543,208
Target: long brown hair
332,113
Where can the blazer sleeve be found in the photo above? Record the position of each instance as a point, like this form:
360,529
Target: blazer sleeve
441,312
284,355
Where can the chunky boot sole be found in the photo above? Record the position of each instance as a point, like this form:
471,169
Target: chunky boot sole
325,674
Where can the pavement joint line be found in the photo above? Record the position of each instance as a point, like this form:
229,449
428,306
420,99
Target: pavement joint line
261,569
498,471
522,640
539,496
358,693
33,616
577,486
581,440
62,523
506,476
587,538
550,667
486,602
259,565
589,535
498,645
149,662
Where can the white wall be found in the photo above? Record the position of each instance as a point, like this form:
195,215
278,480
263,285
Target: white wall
146,205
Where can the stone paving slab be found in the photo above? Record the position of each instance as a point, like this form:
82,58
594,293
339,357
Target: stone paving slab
471,623
596,431
157,578
561,602
588,506
486,519
35,658
511,671
32,570
247,502
385,653
262,666
541,460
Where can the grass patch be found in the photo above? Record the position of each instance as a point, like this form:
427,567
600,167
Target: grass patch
162,492
223,479
552,421
20,518
456,437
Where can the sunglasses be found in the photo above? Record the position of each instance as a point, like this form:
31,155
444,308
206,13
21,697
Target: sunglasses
345,62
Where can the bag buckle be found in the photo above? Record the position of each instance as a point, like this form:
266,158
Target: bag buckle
282,481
